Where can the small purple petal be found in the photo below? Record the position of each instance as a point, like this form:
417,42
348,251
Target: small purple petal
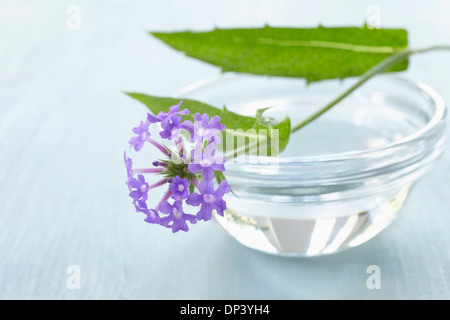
215,123
205,212
205,160
152,216
209,199
208,173
142,135
165,207
129,166
189,127
173,111
205,130
194,168
194,199
141,178
217,167
176,218
179,188
135,195
178,205
171,127
141,186
220,205
206,187
153,119
223,188
175,108
135,183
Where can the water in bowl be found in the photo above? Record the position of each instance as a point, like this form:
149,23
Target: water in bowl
281,220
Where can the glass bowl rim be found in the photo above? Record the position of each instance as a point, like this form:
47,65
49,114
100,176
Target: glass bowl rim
435,99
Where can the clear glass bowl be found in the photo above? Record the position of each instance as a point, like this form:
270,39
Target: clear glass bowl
343,178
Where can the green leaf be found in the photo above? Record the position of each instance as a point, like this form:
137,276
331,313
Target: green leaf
311,53
238,126
191,188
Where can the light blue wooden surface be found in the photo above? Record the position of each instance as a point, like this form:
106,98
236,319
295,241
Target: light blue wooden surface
64,123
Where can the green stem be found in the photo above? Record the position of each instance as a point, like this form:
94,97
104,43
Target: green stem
380,67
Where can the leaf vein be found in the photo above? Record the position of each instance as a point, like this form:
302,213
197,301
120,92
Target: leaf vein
327,44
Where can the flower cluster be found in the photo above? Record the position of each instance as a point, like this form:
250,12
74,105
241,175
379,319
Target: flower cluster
184,170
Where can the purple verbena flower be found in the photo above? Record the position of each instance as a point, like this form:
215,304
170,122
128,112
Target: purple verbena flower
171,127
162,116
206,161
176,218
129,166
179,188
179,168
203,129
142,135
141,186
209,199
152,214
